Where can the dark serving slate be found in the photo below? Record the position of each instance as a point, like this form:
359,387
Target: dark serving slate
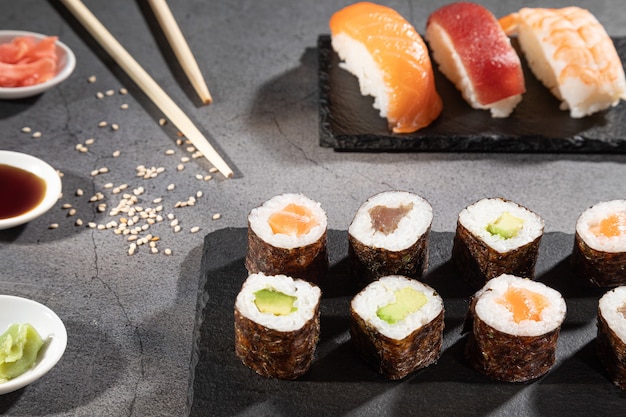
339,383
348,122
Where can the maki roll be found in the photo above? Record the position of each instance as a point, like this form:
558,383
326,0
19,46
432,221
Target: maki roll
389,236
287,235
611,340
396,325
277,325
513,326
599,252
495,236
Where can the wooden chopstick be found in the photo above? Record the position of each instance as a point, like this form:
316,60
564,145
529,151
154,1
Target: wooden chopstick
181,48
147,84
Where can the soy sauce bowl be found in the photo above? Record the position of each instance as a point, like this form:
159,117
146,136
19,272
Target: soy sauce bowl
42,170
66,65
18,310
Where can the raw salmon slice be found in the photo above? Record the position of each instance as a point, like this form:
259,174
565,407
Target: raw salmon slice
391,61
524,304
611,226
293,219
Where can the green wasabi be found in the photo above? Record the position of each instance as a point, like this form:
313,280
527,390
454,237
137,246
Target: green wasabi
19,347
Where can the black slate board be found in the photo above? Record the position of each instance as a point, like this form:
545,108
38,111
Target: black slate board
348,122
340,384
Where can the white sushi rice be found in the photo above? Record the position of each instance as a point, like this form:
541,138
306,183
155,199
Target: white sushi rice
360,63
592,217
381,293
410,228
479,215
610,305
452,67
497,315
258,220
308,297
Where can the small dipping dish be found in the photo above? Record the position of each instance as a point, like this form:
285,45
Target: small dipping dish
40,169
67,63
49,326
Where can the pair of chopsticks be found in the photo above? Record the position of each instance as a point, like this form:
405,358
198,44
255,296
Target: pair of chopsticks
146,82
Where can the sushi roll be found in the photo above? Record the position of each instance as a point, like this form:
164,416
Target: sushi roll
569,51
391,62
287,235
476,55
277,325
495,236
396,325
389,236
513,325
599,253
611,339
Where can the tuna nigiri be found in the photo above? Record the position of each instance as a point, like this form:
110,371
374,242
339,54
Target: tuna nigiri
475,54
391,61
570,52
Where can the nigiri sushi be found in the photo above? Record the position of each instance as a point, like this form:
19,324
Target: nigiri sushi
476,55
570,52
391,62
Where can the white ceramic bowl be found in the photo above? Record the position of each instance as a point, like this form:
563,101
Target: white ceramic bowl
48,325
67,63
42,170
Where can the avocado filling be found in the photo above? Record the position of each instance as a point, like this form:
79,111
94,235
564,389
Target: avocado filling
408,300
19,347
275,302
506,226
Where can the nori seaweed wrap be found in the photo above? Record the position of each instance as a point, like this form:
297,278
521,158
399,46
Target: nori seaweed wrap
513,325
288,235
495,236
389,236
611,336
277,325
396,326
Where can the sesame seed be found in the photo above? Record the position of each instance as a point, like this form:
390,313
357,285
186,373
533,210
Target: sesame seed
167,251
94,172
180,167
154,250
53,226
78,222
91,79
213,170
66,206
199,194
217,216
109,92
90,141
99,95
92,225
157,200
26,129
124,106
71,212
162,122
194,229
79,192
191,149
103,170
171,187
116,154
170,152
102,124
36,135
108,185
176,229
115,126
208,178
123,91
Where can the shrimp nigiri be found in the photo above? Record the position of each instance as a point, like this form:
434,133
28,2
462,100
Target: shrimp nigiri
476,55
570,52
391,61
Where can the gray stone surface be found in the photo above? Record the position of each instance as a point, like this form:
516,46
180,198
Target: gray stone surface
130,319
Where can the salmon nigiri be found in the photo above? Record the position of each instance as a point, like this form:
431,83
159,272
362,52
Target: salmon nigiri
391,61
569,51
476,55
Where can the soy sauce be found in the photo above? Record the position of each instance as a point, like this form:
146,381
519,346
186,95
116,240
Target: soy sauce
20,191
